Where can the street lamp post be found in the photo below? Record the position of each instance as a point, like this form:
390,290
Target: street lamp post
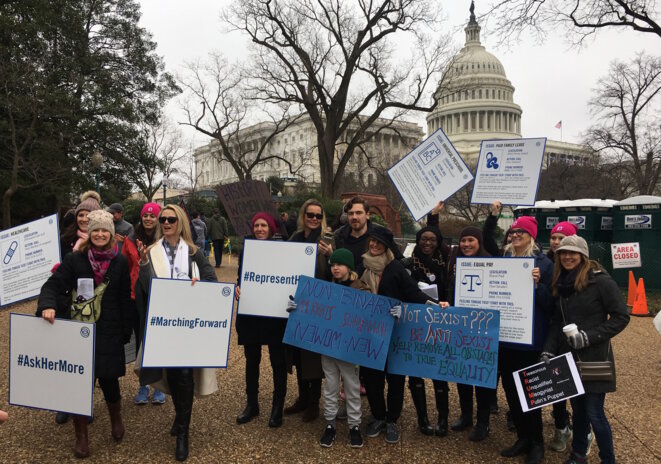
97,162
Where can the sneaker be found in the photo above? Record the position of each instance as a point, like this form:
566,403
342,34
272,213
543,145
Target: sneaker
355,438
590,440
375,428
328,437
392,433
560,439
143,395
158,397
342,412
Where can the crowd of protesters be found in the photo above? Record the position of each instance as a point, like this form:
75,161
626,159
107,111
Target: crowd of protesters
119,260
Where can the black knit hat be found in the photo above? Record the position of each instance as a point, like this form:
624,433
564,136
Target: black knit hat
471,231
434,230
383,235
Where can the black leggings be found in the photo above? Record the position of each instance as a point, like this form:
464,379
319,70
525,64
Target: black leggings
253,359
110,389
375,384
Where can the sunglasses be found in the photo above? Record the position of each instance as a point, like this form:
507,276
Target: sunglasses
314,216
169,219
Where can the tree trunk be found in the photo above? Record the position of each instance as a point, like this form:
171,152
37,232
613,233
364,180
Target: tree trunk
6,205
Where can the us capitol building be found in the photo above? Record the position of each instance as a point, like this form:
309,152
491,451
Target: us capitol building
475,103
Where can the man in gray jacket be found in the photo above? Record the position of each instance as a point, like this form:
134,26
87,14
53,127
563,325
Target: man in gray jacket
122,228
217,233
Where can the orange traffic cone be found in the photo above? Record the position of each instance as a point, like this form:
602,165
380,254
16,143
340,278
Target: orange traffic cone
631,296
640,305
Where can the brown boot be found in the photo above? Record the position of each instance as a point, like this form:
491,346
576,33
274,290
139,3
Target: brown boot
117,427
311,412
81,448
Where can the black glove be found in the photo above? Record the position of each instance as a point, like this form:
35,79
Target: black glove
545,357
579,340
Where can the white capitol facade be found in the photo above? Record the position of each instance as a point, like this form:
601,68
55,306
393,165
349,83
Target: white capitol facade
475,103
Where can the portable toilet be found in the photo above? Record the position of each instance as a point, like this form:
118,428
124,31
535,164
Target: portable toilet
638,219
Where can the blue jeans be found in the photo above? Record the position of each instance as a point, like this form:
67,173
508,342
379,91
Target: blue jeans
589,409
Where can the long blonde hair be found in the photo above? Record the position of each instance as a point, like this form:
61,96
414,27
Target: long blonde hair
531,250
300,222
581,282
183,229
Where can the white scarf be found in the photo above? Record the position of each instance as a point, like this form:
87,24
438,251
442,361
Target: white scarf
161,262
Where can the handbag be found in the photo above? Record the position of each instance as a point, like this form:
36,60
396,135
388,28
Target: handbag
593,371
88,310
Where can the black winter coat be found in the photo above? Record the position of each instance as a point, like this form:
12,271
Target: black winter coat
258,330
599,310
358,246
397,283
113,329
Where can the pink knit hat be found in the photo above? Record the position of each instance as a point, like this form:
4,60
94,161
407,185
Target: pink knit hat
565,228
527,223
269,220
153,208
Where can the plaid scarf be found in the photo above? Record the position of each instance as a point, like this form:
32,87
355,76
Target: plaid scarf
100,261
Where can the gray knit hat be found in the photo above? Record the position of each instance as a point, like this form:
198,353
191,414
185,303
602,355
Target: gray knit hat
100,219
574,243
89,201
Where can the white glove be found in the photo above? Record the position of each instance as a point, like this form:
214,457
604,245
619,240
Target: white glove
291,305
396,311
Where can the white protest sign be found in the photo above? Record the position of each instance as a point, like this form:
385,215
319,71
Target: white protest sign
188,325
433,171
505,284
508,171
28,254
541,384
51,366
269,274
626,255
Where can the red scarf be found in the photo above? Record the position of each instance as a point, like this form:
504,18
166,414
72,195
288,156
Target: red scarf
100,261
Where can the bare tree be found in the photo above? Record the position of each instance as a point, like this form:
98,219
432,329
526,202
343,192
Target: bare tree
337,59
581,18
626,103
217,105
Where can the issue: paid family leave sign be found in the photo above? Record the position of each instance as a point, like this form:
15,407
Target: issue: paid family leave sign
188,325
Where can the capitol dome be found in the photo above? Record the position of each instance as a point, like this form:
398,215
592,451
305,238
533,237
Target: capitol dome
475,98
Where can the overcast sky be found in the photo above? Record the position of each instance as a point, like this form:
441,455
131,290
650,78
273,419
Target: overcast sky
553,81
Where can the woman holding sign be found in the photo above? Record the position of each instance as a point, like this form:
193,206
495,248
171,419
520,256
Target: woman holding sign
428,266
471,245
515,356
256,331
589,311
175,256
311,228
99,277
386,276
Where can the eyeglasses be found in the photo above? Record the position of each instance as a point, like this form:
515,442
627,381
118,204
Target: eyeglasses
314,216
517,232
429,240
169,219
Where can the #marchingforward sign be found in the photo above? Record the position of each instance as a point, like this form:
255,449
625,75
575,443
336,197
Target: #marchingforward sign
341,322
453,344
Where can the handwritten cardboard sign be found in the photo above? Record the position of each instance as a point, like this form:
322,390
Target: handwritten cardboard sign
242,200
337,321
453,344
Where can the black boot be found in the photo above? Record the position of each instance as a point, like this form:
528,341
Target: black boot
441,394
536,453
183,405
481,429
420,403
276,412
519,447
249,412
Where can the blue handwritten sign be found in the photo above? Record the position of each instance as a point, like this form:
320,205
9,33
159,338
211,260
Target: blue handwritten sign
347,324
453,344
